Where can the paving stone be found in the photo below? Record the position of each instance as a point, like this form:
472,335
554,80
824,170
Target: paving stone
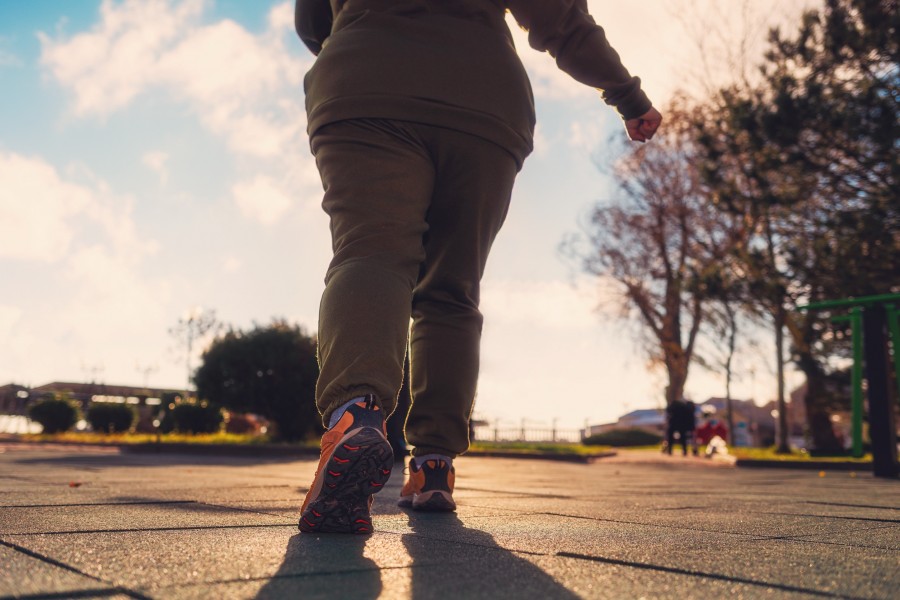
737,518
112,517
839,570
164,558
524,529
23,574
875,537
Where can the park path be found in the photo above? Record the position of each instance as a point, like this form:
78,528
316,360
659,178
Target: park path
104,524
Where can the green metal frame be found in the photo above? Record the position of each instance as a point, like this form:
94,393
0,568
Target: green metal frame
855,318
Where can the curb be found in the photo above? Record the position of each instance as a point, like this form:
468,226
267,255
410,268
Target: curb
259,450
278,450
806,465
576,458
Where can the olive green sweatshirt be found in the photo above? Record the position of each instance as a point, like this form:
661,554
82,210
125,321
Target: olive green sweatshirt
451,63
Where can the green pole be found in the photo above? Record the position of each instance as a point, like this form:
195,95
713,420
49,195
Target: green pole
894,328
856,383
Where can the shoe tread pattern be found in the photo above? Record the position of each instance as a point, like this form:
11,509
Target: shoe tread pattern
359,468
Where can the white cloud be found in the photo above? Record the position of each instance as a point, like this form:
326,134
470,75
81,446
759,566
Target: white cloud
261,199
245,88
547,81
586,136
43,214
241,86
156,162
110,299
93,252
107,67
36,208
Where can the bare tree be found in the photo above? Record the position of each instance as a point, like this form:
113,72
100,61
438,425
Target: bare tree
662,242
192,326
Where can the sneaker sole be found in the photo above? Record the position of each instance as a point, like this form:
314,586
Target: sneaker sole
358,468
434,501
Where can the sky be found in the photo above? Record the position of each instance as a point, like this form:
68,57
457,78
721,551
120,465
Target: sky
154,161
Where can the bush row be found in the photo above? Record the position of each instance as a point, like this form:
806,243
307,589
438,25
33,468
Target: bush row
61,413
621,438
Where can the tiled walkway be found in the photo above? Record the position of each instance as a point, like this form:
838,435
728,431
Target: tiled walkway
102,524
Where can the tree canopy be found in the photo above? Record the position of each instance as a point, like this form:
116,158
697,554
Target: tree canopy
809,156
267,370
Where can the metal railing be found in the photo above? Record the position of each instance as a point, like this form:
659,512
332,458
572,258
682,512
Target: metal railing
492,433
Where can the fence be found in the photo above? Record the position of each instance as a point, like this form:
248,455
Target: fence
493,433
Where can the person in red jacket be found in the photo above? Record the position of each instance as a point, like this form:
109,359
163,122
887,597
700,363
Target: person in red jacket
420,115
711,428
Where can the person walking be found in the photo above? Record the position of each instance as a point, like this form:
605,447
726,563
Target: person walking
420,116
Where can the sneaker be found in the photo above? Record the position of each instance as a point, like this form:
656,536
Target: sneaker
429,487
355,463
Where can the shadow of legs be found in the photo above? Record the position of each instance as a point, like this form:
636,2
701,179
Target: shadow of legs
452,560
324,566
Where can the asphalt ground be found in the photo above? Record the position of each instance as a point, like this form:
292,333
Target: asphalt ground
95,523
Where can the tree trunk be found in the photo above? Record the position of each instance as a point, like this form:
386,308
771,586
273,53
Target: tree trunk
732,341
818,417
677,372
782,442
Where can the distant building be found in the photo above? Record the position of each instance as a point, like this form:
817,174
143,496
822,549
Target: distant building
754,425
13,399
648,419
85,393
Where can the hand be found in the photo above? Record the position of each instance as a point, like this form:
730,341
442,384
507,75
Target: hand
642,128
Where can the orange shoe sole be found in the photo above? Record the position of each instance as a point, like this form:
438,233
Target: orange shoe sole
359,467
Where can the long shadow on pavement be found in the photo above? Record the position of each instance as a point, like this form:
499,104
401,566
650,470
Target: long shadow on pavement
326,566
482,568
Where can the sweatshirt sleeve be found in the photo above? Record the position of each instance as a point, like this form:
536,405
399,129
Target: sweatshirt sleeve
312,20
566,30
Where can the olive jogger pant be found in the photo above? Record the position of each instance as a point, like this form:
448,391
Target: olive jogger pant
414,210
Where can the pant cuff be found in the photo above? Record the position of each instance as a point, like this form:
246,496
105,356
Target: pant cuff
423,450
348,395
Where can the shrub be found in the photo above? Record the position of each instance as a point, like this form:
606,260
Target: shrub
55,414
111,418
269,371
189,417
620,438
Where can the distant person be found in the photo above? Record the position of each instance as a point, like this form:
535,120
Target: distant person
680,424
420,115
711,427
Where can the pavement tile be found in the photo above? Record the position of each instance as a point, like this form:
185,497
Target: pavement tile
883,514
383,508
590,579
110,517
836,569
735,518
160,558
499,578
876,537
524,529
23,574
163,559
